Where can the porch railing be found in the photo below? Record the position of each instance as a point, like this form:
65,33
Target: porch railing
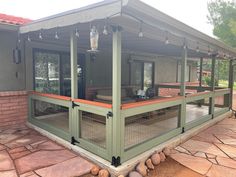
143,124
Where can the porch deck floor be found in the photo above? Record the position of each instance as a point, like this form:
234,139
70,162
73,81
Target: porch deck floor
136,131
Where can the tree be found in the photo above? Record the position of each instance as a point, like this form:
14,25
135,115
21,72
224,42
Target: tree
222,15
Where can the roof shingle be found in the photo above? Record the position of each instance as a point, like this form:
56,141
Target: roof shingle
9,19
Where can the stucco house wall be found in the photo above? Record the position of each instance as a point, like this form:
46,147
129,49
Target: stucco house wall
13,97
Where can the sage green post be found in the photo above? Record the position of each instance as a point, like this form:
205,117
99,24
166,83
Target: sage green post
213,66
231,82
200,74
74,121
116,92
73,63
183,86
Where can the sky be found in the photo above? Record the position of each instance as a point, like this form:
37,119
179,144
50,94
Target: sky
191,12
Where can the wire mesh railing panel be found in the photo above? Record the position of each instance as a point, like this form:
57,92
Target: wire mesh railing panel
146,126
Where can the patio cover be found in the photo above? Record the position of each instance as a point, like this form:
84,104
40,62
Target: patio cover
129,13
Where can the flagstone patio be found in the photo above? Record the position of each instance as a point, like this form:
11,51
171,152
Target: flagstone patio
26,153
212,152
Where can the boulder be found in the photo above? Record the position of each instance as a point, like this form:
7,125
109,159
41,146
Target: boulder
94,170
142,168
134,174
149,164
155,159
162,157
103,173
166,151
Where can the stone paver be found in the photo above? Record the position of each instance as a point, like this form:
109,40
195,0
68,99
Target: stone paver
216,145
11,173
5,161
226,162
193,145
229,150
197,164
226,139
76,168
221,171
24,151
42,159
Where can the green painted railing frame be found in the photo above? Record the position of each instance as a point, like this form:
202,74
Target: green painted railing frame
102,152
148,144
49,128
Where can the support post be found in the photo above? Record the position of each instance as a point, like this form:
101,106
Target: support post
200,74
74,121
213,67
116,96
73,63
182,88
231,82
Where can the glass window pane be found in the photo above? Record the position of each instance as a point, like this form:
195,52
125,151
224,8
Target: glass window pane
136,79
148,76
65,75
47,72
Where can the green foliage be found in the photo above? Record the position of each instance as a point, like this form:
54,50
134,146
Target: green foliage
207,81
222,15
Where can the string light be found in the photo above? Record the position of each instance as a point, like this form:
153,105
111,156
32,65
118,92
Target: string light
56,35
167,39
18,38
77,33
140,34
197,48
105,31
28,38
40,36
209,51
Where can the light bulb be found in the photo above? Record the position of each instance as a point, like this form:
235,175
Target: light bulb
56,35
197,49
140,34
167,41
77,33
29,39
40,36
209,53
105,31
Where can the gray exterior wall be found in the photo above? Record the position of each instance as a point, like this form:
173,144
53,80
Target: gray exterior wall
99,71
12,76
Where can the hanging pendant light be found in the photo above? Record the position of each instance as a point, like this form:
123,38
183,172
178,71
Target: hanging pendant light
94,36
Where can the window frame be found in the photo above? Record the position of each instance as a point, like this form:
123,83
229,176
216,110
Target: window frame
189,72
142,72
